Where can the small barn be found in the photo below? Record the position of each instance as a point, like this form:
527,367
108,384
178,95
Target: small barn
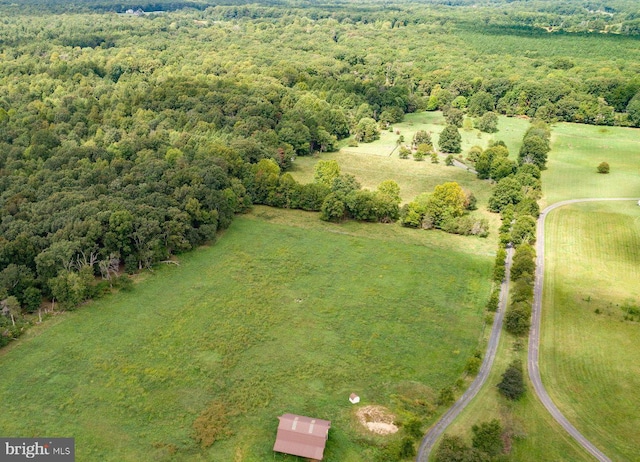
302,436
354,399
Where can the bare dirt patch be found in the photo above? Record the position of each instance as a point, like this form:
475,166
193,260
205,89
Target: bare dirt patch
377,419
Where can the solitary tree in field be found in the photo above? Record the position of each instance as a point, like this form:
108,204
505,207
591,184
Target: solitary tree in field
450,139
603,167
367,130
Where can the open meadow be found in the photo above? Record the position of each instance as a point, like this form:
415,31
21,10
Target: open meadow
591,322
271,319
576,152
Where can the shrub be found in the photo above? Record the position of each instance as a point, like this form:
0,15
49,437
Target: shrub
512,384
603,167
494,300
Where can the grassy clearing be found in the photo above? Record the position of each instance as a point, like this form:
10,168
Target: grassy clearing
273,318
576,152
589,360
372,163
510,130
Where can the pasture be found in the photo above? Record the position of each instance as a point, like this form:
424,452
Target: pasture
588,349
273,318
576,151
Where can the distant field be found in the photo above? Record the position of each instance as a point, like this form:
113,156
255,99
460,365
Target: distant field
372,163
273,318
589,353
576,152
510,130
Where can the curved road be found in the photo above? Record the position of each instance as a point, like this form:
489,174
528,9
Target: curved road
534,337
438,429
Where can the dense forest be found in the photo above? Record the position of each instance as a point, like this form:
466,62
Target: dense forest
128,137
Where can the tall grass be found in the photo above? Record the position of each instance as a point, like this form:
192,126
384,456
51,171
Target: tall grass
271,319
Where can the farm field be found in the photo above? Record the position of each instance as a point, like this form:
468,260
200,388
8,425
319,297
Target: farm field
576,151
271,319
588,348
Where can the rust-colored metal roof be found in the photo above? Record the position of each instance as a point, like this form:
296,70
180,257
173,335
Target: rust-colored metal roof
302,436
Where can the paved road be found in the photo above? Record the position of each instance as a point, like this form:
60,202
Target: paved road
438,429
534,337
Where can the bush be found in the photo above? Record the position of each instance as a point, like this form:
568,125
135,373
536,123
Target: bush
517,320
603,167
487,437
473,365
494,300
448,161
512,384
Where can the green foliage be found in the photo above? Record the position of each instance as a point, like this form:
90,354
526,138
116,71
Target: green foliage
448,161
413,427
494,300
480,103
404,152
535,146
446,396
450,140
454,449
421,137
499,267
523,261
488,123
487,437
333,208
367,130
447,200
517,320
512,385
473,365
325,172
507,191
524,230
603,167
454,116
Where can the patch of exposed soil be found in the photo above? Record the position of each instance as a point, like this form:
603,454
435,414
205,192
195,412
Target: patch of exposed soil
377,419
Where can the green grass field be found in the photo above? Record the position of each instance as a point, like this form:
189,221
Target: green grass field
576,151
588,350
273,318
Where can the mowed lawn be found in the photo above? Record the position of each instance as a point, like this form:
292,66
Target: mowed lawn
576,152
589,352
273,318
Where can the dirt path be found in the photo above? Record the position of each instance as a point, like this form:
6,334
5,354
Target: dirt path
440,426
